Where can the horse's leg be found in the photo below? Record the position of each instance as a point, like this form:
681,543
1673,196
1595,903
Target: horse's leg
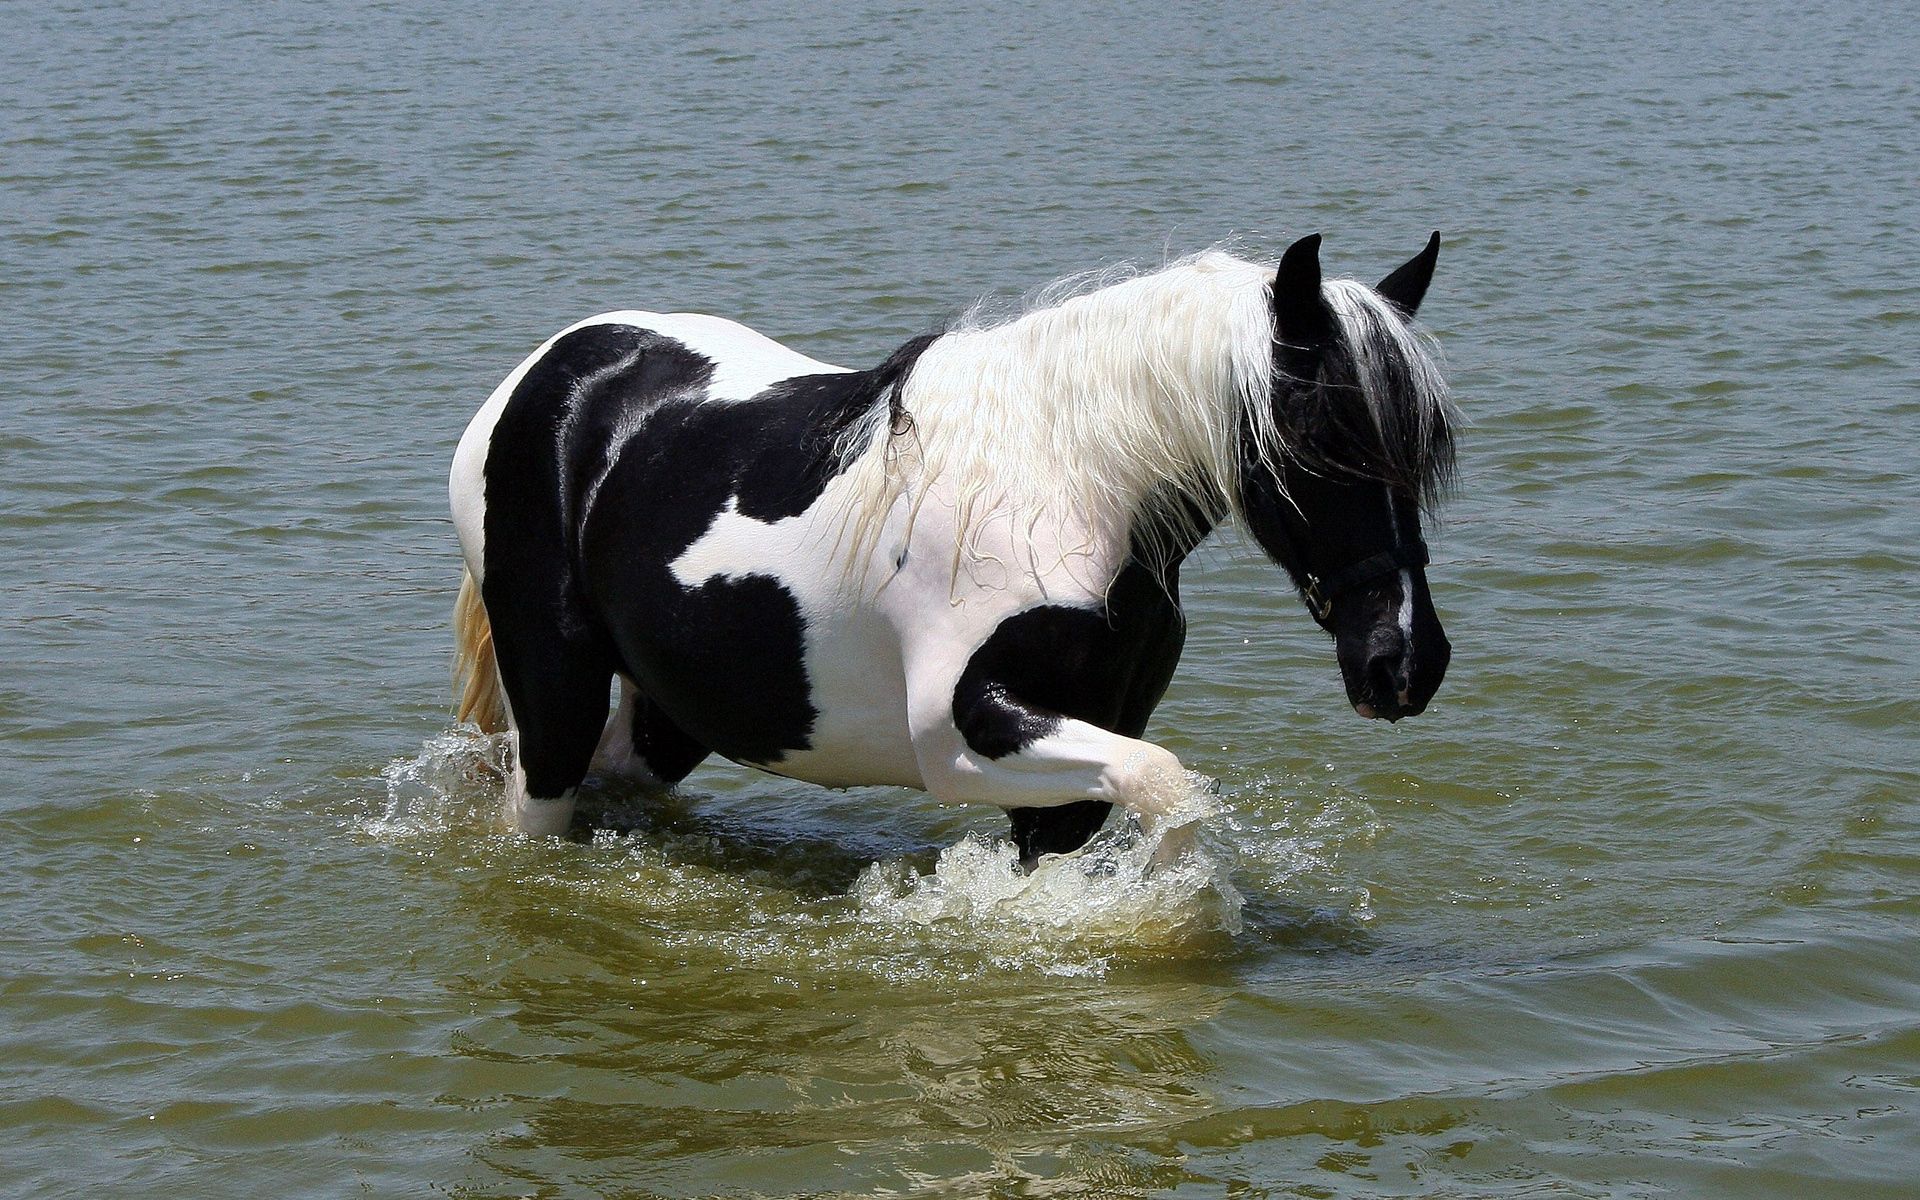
557,702
640,743
1052,704
998,750
1059,830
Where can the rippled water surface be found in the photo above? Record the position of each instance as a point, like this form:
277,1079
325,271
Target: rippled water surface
1629,912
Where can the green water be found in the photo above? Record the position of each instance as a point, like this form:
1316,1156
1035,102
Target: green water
1630,912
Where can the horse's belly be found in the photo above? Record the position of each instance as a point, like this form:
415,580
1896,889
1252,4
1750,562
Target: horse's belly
745,669
858,694
853,753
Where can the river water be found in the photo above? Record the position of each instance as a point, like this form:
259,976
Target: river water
1629,912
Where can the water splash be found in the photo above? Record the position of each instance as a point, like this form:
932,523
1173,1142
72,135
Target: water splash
453,783
781,877
1122,890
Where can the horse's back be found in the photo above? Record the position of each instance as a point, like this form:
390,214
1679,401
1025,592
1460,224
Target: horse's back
745,362
730,361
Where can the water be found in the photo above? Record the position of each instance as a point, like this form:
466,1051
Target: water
1630,912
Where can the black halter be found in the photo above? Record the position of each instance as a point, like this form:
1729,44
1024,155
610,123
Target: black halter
1319,593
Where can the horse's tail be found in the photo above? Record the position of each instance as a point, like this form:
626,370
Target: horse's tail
476,675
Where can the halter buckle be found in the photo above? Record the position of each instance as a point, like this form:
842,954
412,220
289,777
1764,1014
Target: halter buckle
1318,602
1319,593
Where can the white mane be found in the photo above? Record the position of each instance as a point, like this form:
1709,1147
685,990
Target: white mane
1084,410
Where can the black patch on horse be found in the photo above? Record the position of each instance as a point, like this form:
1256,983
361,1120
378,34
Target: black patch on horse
646,466
779,486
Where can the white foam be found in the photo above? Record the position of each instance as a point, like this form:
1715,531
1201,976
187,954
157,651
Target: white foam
1298,840
1110,895
453,783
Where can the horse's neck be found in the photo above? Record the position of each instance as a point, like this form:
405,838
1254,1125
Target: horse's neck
1169,526
1060,542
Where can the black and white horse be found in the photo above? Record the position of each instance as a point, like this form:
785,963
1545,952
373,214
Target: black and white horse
957,571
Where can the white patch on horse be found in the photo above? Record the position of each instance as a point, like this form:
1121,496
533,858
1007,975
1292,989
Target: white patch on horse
745,361
537,818
851,653
616,755
1406,577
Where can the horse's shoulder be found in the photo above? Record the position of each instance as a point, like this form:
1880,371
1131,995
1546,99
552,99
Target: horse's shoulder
1106,659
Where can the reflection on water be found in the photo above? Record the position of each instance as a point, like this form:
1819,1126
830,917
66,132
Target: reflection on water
688,1061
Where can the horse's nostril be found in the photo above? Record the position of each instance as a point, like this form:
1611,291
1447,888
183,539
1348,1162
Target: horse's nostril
1382,679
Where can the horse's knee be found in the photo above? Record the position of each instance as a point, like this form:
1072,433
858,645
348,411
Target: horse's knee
948,774
1147,779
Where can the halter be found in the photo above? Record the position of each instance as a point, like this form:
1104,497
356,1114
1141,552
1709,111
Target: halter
1320,593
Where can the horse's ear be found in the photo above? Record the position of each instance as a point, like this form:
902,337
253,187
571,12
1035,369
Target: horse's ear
1404,288
1300,315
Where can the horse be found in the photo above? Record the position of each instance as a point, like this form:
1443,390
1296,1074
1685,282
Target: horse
957,571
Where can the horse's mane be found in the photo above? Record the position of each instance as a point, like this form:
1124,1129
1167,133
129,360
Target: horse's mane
1094,404
1407,415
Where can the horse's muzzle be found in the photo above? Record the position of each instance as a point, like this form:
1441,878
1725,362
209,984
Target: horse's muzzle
1393,676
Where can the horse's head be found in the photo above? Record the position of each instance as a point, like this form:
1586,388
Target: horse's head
1359,439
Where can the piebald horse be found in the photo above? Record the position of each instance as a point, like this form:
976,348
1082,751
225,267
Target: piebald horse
957,571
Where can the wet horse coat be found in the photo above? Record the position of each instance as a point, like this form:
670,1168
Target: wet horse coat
957,571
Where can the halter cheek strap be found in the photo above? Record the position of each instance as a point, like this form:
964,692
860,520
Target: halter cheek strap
1320,593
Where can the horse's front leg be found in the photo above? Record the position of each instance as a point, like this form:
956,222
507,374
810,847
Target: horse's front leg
992,748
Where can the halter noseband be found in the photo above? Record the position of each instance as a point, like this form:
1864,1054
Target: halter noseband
1320,593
